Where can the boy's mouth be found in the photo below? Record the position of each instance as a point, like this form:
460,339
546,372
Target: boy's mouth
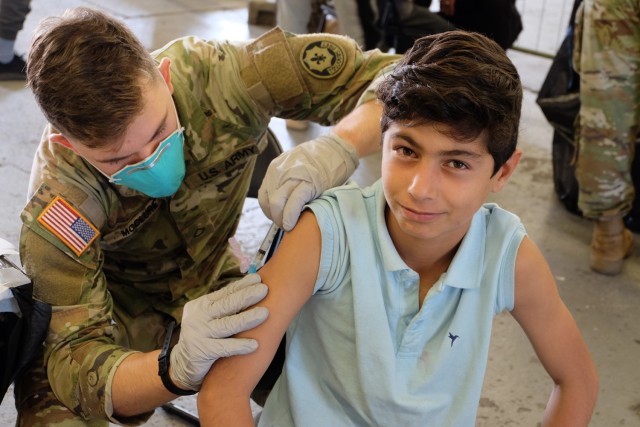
417,215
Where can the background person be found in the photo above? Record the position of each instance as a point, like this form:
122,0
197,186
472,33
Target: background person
496,19
12,16
607,57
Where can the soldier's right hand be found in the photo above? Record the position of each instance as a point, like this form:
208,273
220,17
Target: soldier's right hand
207,324
301,174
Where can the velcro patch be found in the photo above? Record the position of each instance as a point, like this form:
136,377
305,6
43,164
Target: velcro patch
323,59
69,225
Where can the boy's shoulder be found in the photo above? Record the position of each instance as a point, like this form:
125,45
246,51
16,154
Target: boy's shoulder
499,223
353,189
348,202
500,228
496,211
488,249
350,195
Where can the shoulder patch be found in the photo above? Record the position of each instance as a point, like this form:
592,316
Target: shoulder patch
323,59
73,229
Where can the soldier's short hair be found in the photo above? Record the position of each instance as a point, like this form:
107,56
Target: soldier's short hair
460,79
88,72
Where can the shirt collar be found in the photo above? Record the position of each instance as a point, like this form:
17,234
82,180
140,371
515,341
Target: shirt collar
390,257
465,269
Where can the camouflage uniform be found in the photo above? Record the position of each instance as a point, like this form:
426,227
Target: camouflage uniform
150,256
607,56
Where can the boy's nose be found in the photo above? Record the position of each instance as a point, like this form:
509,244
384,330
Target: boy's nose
424,184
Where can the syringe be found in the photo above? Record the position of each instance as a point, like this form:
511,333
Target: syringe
264,248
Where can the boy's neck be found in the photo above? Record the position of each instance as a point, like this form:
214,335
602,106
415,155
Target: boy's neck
429,267
427,257
428,262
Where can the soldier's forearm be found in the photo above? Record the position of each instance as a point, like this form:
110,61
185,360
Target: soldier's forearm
136,387
361,128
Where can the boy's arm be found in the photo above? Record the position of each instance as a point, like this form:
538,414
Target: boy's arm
290,274
556,340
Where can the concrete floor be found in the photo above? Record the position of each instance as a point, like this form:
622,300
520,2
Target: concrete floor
516,387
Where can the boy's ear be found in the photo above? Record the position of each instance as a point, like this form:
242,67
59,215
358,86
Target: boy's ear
165,70
505,172
58,138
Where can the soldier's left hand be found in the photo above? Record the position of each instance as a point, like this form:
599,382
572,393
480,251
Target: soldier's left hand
301,174
208,324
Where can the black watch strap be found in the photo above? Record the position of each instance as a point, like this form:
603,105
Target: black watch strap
163,365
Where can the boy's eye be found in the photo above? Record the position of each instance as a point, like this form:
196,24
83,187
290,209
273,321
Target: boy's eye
405,151
457,164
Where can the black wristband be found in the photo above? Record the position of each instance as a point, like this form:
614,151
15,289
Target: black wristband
163,365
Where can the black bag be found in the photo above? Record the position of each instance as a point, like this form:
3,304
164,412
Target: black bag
559,100
23,323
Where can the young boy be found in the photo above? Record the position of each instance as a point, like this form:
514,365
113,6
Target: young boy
389,292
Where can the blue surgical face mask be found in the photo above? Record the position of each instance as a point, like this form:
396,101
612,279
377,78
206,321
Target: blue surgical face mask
160,174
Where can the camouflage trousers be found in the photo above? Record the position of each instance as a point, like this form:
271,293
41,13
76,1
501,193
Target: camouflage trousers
607,56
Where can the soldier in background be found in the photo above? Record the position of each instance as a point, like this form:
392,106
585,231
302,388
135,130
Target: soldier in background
607,57
138,185
12,16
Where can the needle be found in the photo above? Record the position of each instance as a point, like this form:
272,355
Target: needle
264,247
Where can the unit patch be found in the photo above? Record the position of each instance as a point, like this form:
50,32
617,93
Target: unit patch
69,225
323,59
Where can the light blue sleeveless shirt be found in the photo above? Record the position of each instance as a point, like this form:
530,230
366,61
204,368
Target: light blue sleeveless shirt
361,352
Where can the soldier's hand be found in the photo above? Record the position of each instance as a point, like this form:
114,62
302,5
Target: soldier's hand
208,321
301,174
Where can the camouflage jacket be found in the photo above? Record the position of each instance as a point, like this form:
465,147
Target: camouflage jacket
121,250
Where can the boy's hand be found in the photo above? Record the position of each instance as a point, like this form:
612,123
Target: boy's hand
208,321
301,174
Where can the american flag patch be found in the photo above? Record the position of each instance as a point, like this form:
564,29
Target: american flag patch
65,222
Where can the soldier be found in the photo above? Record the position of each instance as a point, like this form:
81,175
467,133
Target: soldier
607,56
138,184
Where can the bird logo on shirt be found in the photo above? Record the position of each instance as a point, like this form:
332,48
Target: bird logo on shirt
453,338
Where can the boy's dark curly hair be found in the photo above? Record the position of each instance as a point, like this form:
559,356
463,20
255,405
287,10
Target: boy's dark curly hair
459,79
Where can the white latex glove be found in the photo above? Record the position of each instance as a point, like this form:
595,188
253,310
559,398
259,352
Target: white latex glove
208,321
301,174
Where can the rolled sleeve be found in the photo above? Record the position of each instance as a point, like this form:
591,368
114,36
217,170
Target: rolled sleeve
318,77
